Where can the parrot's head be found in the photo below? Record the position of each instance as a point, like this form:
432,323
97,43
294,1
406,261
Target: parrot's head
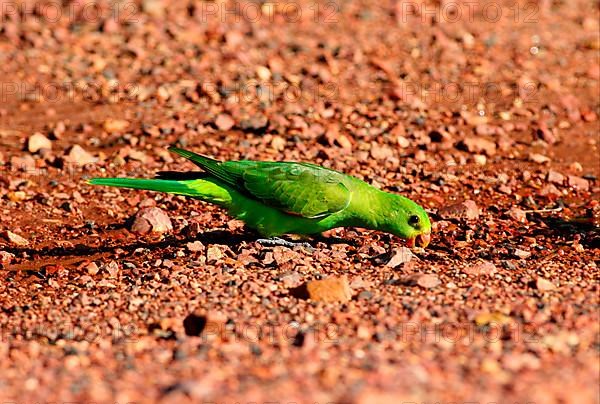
408,220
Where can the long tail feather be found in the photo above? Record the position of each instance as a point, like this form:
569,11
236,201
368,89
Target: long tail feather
174,187
206,190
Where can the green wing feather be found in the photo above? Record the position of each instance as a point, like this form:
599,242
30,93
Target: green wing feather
297,188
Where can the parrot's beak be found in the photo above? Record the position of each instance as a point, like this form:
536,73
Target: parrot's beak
421,240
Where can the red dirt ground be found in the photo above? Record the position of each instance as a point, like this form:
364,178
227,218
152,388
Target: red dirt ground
493,102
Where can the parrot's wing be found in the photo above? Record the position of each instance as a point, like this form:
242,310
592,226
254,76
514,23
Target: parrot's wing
300,189
297,188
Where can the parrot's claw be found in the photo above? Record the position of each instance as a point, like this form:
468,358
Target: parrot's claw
277,241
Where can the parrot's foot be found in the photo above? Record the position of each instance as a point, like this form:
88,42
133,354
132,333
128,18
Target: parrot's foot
277,241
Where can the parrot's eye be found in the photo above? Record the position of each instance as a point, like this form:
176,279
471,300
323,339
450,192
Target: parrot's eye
414,220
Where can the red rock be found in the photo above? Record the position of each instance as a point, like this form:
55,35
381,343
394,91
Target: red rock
16,196
517,214
576,166
224,122
195,246
539,158
483,268
475,144
146,203
24,163
263,73
110,26
37,142
105,283
59,129
112,268
549,190
344,142
428,281
257,123
487,318
474,119
234,38
14,238
372,395
522,254
589,115
571,105
192,230
91,268
6,258
291,279
546,134
51,270
464,210
403,142
137,155
578,183
544,285
283,255
480,159
77,155
505,189
485,129
505,143
155,8
381,152
115,125
333,289
515,361
153,220
278,143
213,254
555,177
401,255
333,137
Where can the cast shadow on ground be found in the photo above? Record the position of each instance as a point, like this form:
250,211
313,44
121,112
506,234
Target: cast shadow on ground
558,227
223,237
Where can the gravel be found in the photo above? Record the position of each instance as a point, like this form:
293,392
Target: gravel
490,124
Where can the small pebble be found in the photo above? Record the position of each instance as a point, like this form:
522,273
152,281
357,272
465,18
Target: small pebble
15,239
37,142
333,289
544,285
151,220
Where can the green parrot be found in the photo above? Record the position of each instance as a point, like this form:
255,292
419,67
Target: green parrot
277,198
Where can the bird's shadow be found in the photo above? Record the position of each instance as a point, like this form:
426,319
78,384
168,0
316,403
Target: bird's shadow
558,227
86,250
223,237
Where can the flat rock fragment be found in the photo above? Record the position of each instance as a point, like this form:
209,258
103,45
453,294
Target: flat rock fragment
463,210
151,220
332,289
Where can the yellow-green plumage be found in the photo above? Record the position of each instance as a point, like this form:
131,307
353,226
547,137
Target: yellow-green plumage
278,198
